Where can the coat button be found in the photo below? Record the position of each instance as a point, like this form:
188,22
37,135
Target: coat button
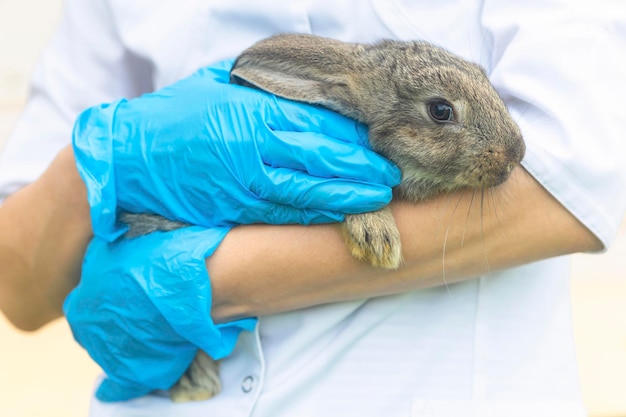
247,384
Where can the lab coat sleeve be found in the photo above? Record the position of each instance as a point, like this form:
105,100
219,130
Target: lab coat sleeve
560,67
84,64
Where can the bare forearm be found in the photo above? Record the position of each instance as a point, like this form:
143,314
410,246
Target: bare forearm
266,269
45,229
262,269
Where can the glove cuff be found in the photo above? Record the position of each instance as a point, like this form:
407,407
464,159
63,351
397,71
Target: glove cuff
92,141
191,317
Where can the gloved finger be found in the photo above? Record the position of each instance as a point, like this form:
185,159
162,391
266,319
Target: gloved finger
286,115
303,191
327,157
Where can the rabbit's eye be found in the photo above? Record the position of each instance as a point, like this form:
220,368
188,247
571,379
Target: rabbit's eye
441,111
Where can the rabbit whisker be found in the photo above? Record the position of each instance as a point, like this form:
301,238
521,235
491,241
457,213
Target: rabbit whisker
482,228
445,241
467,218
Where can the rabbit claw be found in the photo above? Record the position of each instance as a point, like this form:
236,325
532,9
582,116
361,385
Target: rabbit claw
200,381
374,238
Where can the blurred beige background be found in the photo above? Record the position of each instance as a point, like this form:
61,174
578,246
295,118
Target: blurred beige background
47,374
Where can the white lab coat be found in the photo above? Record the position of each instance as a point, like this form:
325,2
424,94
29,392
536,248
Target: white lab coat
500,345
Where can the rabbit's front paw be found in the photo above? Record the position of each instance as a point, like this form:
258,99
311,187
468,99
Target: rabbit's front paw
200,382
374,238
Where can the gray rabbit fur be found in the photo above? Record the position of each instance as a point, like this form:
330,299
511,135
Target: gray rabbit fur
434,114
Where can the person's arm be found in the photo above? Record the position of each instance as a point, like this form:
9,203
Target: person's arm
45,229
260,269
265,269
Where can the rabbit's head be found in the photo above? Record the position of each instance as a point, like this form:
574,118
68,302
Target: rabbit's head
434,114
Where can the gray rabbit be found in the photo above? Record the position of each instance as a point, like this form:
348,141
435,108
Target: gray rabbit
434,114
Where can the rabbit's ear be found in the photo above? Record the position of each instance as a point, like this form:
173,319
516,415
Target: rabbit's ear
279,82
302,68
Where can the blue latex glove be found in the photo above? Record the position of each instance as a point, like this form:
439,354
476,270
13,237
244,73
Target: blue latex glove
142,309
210,153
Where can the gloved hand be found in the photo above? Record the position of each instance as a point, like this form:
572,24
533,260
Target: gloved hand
142,309
210,153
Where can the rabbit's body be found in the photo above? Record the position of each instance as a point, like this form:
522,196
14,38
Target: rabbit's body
432,113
